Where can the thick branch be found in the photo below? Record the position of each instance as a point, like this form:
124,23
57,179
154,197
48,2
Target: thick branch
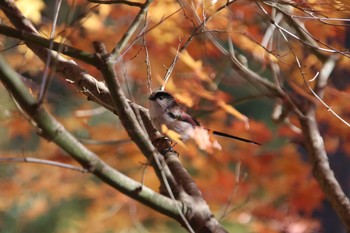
199,216
316,150
137,4
132,28
322,171
127,114
194,207
44,42
54,131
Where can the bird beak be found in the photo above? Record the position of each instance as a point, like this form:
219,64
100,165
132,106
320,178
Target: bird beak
151,97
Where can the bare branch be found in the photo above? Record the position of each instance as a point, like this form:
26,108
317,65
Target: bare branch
147,60
90,161
130,122
325,73
45,162
316,150
324,20
132,28
137,4
171,68
32,38
148,67
99,142
46,78
310,43
321,169
319,97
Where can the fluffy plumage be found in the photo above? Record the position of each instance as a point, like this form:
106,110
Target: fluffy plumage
164,109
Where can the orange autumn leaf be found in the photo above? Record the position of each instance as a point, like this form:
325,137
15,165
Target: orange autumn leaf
307,196
19,126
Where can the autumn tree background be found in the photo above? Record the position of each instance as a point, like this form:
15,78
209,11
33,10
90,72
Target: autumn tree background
76,152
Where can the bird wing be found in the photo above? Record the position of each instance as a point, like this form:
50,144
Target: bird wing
178,114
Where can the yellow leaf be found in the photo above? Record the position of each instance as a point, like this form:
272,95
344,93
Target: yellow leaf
189,60
173,136
195,65
185,99
31,9
207,94
234,112
170,85
93,23
168,31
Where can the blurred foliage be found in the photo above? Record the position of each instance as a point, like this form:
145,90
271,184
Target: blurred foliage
249,188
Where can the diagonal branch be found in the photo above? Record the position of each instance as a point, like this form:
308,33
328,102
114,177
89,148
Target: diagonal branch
132,28
31,38
191,202
129,3
315,146
59,135
93,89
319,159
45,162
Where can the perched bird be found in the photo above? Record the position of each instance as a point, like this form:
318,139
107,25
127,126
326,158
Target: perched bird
165,110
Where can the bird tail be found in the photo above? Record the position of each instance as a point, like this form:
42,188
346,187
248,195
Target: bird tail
221,134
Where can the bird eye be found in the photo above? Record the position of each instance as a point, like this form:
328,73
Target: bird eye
161,97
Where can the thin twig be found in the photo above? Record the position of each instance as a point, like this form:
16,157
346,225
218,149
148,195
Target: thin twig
328,48
46,78
137,4
130,122
235,189
187,42
324,103
171,68
45,162
100,142
132,28
148,62
65,140
325,69
32,38
90,112
315,146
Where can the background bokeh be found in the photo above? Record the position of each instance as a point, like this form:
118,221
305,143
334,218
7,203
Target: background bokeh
249,188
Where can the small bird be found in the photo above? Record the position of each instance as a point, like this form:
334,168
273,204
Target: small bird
165,110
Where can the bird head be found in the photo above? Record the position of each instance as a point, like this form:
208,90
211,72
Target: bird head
162,98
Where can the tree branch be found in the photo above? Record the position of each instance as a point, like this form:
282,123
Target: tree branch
318,156
31,38
315,145
53,130
132,28
195,208
137,4
44,161
199,216
321,169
